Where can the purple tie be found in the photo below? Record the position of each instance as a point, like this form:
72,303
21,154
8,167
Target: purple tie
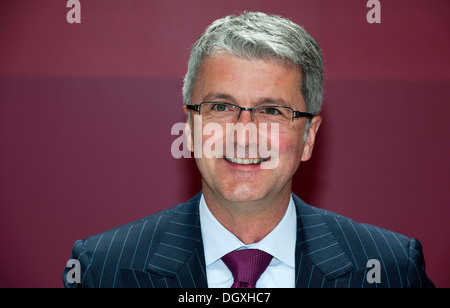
246,265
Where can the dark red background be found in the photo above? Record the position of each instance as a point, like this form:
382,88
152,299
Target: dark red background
86,112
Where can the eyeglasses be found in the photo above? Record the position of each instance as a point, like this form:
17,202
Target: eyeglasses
225,112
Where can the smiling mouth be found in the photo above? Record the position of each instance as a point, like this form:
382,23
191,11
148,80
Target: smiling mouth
245,161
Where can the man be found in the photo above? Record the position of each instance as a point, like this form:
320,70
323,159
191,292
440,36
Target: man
246,228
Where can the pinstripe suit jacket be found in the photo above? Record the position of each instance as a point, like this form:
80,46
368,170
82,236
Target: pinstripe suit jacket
166,250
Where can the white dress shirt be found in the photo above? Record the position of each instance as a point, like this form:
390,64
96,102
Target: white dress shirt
280,243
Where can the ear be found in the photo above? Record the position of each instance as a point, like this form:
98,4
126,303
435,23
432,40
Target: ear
186,111
188,131
311,137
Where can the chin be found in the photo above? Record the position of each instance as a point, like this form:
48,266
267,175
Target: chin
243,193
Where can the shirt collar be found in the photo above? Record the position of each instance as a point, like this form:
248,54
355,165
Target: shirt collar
218,241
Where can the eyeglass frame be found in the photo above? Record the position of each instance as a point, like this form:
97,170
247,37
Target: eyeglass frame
295,113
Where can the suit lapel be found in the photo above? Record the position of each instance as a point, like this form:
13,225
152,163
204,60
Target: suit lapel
319,258
178,260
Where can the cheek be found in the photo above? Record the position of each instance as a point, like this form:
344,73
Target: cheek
208,140
283,148
289,145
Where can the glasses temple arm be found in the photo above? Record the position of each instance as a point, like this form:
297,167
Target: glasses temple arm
193,107
299,114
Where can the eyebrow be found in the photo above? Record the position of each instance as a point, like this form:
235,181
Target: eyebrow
213,96
260,102
273,101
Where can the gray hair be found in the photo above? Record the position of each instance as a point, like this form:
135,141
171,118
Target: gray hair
256,35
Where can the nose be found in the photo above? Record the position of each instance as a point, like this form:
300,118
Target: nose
245,116
245,134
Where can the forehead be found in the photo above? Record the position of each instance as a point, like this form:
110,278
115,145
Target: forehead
247,81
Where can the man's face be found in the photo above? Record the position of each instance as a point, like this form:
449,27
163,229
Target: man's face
250,83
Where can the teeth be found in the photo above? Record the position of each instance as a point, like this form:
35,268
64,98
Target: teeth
245,161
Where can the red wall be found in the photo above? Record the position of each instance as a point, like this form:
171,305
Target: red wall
86,112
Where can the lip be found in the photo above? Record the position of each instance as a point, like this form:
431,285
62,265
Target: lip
246,161
245,167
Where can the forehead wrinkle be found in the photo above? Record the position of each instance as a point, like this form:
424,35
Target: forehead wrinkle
220,93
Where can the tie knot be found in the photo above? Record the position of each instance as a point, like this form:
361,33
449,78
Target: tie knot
246,265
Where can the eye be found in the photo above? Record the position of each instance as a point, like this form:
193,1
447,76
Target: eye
270,111
220,107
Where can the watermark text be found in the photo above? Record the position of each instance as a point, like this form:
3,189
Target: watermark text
255,144
374,14
74,14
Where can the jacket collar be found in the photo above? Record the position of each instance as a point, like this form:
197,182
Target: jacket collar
316,245
179,261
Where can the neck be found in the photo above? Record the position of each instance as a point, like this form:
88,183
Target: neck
250,221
